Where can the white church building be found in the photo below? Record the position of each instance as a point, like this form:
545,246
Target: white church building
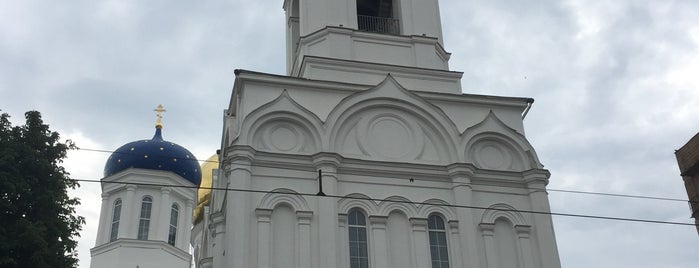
366,154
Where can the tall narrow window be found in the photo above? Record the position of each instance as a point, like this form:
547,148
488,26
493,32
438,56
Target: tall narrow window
438,242
116,215
357,240
172,233
144,221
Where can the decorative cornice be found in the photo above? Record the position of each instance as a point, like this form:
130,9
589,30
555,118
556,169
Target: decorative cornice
418,223
378,220
304,217
536,176
238,156
461,170
327,160
141,244
283,81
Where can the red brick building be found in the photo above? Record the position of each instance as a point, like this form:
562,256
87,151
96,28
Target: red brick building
688,160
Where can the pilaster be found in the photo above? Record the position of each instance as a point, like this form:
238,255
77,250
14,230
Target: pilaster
104,227
163,228
525,249
304,219
460,175
129,215
184,230
455,245
328,163
491,252
238,169
536,180
264,218
421,249
379,247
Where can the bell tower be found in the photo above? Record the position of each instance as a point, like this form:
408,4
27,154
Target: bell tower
368,155
360,41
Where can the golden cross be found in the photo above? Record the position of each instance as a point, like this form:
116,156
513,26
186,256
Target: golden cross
159,111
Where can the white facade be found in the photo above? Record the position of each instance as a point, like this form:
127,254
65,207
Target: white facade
120,243
384,119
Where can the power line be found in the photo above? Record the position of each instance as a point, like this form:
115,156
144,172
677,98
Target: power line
404,202
505,186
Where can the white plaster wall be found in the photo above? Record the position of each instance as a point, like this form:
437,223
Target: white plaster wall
138,251
396,230
140,255
428,128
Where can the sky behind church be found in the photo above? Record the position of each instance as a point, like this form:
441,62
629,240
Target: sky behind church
616,85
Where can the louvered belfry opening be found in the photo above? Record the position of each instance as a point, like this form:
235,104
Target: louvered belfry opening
377,16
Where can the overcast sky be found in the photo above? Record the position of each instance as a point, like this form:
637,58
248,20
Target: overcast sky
616,85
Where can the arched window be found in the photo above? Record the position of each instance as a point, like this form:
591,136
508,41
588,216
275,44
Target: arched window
144,220
438,242
172,233
377,16
356,223
116,215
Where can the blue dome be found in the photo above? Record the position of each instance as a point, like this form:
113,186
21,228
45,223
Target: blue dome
155,154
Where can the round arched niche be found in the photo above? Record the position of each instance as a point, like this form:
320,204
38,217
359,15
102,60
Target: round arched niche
390,136
495,154
283,135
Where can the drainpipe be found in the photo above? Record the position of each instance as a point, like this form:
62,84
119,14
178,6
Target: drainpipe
530,101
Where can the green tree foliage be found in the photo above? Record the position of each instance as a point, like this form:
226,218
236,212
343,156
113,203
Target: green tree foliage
38,224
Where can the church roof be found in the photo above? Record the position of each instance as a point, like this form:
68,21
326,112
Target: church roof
155,154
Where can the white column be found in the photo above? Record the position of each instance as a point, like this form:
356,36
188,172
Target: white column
525,250
491,252
238,212
129,215
217,242
104,227
343,238
264,218
536,182
379,253
162,226
304,239
327,208
184,230
454,245
463,195
421,245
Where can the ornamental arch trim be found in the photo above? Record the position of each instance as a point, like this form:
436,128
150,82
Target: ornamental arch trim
437,206
403,205
283,196
357,201
283,119
389,98
498,211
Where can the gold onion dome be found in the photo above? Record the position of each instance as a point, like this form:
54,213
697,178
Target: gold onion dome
204,193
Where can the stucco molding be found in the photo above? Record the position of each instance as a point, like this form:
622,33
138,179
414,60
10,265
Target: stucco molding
437,206
357,201
507,212
283,196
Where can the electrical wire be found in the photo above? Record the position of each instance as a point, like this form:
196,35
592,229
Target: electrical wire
403,202
505,186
